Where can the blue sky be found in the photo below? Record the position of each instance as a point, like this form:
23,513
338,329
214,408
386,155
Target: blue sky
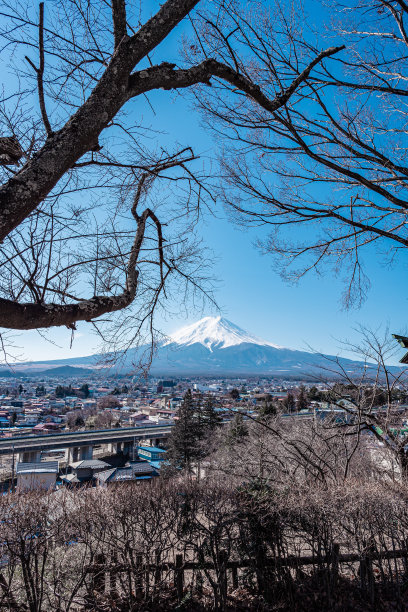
250,292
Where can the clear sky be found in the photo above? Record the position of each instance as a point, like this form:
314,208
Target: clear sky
250,292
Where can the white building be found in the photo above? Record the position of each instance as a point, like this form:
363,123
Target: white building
39,475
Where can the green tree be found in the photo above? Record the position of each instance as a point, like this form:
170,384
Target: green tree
268,408
238,430
234,394
61,391
84,390
40,391
79,421
314,395
289,402
210,419
302,401
185,436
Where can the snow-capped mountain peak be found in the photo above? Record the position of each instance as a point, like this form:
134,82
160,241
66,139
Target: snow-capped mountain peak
215,332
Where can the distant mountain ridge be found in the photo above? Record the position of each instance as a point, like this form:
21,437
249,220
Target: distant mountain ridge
212,346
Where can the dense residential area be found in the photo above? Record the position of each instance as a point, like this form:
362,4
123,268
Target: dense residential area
51,406
38,407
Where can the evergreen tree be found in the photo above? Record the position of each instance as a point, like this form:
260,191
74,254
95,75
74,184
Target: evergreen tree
84,390
210,418
234,394
314,395
238,430
40,391
79,421
289,402
302,403
61,391
268,408
185,435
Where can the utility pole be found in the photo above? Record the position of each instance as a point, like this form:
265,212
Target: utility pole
12,471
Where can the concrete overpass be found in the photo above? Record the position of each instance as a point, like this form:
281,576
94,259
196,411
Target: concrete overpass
79,444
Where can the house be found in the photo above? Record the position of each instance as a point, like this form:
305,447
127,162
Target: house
134,471
137,418
47,428
152,454
84,471
37,475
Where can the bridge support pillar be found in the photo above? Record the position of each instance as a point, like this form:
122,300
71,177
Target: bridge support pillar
29,456
128,448
85,452
69,455
79,453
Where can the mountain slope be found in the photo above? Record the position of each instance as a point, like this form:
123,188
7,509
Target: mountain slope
215,346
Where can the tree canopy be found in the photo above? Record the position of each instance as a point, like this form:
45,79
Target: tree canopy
65,133
97,223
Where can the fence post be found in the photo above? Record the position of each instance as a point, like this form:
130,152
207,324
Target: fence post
199,583
370,573
234,573
179,577
366,572
113,572
139,577
98,577
223,584
157,571
335,564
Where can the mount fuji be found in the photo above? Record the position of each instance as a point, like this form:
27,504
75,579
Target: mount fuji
215,346
215,333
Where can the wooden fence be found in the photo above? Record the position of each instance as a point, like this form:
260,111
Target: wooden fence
104,574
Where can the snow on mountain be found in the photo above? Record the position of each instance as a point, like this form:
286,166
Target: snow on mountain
215,333
214,346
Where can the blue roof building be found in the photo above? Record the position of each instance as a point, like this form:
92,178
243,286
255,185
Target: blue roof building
151,453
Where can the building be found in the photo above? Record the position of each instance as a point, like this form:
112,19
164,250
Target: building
151,453
134,471
47,428
38,475
84,471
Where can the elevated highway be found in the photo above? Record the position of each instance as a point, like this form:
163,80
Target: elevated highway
81,443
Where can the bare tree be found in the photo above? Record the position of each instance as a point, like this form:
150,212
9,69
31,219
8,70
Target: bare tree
372,402
332,160
65,259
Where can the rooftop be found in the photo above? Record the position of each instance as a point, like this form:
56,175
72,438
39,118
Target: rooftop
91,464
37,467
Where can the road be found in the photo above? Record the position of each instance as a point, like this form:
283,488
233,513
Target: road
81,438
